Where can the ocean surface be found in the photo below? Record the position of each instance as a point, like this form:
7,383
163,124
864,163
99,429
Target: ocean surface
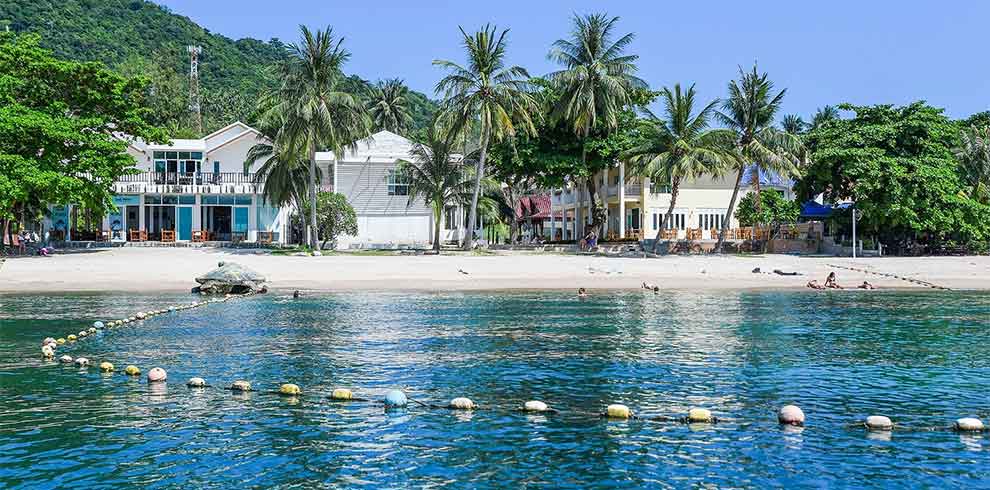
922,359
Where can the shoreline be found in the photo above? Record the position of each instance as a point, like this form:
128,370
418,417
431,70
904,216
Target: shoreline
174,269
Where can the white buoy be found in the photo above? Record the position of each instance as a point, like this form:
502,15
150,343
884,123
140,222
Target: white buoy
618,411
196,383
700,415
969,424
535,406
156,375
140,315
82,333
462,403
91,330
48,340
879,422
66,359
82,362
240,386
47,351
98,324
791,415
106,367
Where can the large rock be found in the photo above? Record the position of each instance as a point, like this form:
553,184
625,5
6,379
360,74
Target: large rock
231,278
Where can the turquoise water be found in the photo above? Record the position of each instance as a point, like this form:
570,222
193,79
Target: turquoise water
921,358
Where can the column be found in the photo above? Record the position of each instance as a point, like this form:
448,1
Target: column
622,199
335,176
552,235
197,217
141,223
604,193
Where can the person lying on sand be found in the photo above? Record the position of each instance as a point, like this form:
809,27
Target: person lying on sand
830,281
866,285
652,287
813,284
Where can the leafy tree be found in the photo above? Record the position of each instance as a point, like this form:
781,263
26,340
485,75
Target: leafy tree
773,209
749,113
825,115
313,113
979,120
595,84
897,164
680,146
437,177
973,153
60,127
487,93
793,124
336,217
388,106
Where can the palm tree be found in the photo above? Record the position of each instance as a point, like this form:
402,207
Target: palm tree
793,124
311,109
824,115
680,146
749,113
973,153
388,106
436,175
488,94
595,83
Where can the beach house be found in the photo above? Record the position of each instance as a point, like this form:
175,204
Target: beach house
190,190
370,178
635,205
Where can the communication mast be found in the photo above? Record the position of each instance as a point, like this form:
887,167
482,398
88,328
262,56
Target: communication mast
194,107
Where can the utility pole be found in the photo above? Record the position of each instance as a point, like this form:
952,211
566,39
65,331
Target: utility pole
194,107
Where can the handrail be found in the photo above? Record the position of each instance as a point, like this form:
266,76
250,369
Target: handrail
190,178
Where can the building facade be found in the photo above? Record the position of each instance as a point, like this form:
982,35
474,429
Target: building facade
188,190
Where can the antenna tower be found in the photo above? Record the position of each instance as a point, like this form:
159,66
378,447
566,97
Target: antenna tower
194,107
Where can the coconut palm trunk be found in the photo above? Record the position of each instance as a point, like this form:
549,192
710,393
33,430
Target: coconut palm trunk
675,187
728,215
314,238
480,173
437,216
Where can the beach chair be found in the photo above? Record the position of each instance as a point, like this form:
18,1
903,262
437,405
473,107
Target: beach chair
694,234
265,237
168,236
103,236
138,236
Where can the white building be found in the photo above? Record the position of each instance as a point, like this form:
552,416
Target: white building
368,177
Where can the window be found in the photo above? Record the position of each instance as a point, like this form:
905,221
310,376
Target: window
159,155
242,199
659,188
676,221
398,183
216,167
187,199
160,165
450,218
710,221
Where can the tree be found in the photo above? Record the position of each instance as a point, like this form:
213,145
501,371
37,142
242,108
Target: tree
436,176
793,124
387,106
973,153
680,146
314,114
595,84
897,165
60,128
772,209
825,115
749,113
284,173
487,93
336,217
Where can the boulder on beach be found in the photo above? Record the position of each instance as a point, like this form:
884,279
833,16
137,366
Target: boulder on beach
231,278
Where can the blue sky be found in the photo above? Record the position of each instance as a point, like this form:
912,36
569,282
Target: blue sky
827,52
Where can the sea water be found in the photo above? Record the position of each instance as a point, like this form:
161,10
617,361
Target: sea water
921,358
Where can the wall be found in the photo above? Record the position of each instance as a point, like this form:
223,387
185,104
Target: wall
232,155
366,188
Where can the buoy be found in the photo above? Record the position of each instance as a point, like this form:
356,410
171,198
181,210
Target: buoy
790,415
462,403
535,406
106,367
140,315
700,416
98,324
289,389
81,334
132,319
156,375
879,422
240,386
341,394
132,370
91,330
969,424
66,359
72,338
82,362
60,341
196,383
395,398
48,340
48,352
618,411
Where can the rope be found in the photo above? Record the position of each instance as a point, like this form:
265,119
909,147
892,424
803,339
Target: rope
895,276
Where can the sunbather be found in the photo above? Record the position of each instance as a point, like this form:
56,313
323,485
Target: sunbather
866,285
813,284
830,281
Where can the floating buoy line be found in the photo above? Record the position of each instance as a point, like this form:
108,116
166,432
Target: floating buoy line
893,276
787,416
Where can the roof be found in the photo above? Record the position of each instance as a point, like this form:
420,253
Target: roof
812,209
383,146
533,207
206,144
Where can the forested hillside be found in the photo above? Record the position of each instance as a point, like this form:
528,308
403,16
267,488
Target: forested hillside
141,37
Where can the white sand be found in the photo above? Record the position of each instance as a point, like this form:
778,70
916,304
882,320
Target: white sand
173,269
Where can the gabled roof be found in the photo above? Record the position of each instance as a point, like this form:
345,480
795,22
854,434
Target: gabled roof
245,127
383,146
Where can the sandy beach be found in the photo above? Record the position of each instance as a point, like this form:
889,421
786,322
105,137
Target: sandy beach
173,269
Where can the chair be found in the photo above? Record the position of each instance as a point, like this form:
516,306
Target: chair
238,236
138,236
265,237
200,236
668,234
168,236
694,234
103,236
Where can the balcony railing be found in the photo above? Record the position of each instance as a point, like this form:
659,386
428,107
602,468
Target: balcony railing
189,178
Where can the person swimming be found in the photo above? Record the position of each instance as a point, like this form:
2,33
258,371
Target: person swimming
652,287
582,293
866,285
295,294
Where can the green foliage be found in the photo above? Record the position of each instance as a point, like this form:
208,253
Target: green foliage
389,107
123,33
973,153
57,125
772,209
897,164
334,217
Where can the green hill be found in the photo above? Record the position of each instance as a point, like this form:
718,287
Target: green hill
140,37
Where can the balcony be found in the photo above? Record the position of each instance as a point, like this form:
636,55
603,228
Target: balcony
187,183
632,190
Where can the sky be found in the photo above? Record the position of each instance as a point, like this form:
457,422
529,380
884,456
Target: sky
825,52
